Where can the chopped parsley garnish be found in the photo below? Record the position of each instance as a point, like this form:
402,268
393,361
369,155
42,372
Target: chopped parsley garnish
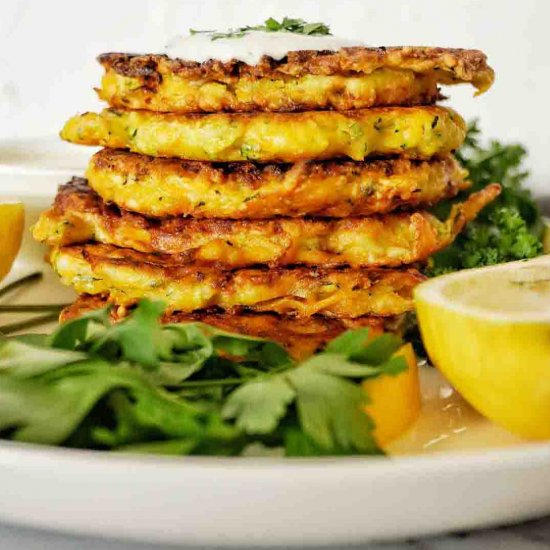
296,26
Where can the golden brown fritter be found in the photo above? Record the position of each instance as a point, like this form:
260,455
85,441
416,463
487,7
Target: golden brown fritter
351,78
300,336
125,276
163,187
79,215
413,132
166,91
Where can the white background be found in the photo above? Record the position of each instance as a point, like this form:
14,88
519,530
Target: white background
48,50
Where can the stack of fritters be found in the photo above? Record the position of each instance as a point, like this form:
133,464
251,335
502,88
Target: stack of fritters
286,199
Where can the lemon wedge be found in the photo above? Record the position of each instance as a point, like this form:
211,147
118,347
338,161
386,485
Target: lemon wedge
12,220
394,401
488,331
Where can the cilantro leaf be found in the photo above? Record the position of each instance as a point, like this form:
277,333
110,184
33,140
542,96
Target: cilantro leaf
337,365
322,395
331,411
379,350
349,343
259,405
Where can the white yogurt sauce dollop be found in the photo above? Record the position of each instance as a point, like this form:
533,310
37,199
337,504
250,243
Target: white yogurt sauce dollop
251,47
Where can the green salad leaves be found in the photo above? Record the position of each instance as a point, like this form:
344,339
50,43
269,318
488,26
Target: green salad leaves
508,229
141,386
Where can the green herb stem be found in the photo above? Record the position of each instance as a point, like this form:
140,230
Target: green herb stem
28,323
30,308
23,281
213,383
230,381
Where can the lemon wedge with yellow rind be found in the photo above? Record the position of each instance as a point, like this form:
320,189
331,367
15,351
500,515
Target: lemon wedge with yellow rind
12,220
488,331
394,401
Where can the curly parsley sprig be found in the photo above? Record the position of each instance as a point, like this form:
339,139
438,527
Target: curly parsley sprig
508,229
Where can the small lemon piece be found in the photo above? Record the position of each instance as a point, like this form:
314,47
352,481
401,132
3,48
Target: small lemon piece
12,220
488,331
394,400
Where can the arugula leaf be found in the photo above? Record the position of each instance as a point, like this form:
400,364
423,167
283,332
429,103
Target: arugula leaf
137,339
48,410
183,350
146,416
24,360
72,334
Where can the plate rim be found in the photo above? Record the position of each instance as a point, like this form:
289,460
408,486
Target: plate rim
501,458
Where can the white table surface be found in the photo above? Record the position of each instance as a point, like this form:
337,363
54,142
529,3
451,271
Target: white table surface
532,535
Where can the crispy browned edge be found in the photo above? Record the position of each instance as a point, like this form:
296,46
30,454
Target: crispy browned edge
252,174
172,267
78,196
301,337
464,64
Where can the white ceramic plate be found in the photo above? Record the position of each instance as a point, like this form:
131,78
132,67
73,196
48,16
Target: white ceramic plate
474,475
43,156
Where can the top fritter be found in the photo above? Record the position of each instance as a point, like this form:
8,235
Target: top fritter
312,79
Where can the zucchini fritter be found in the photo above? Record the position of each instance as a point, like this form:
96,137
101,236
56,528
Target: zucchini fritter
166,91
300,336
79,215
124,276
352,78
162,187
413,132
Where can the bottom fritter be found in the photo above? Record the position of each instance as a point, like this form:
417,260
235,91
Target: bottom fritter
125,276
300,336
